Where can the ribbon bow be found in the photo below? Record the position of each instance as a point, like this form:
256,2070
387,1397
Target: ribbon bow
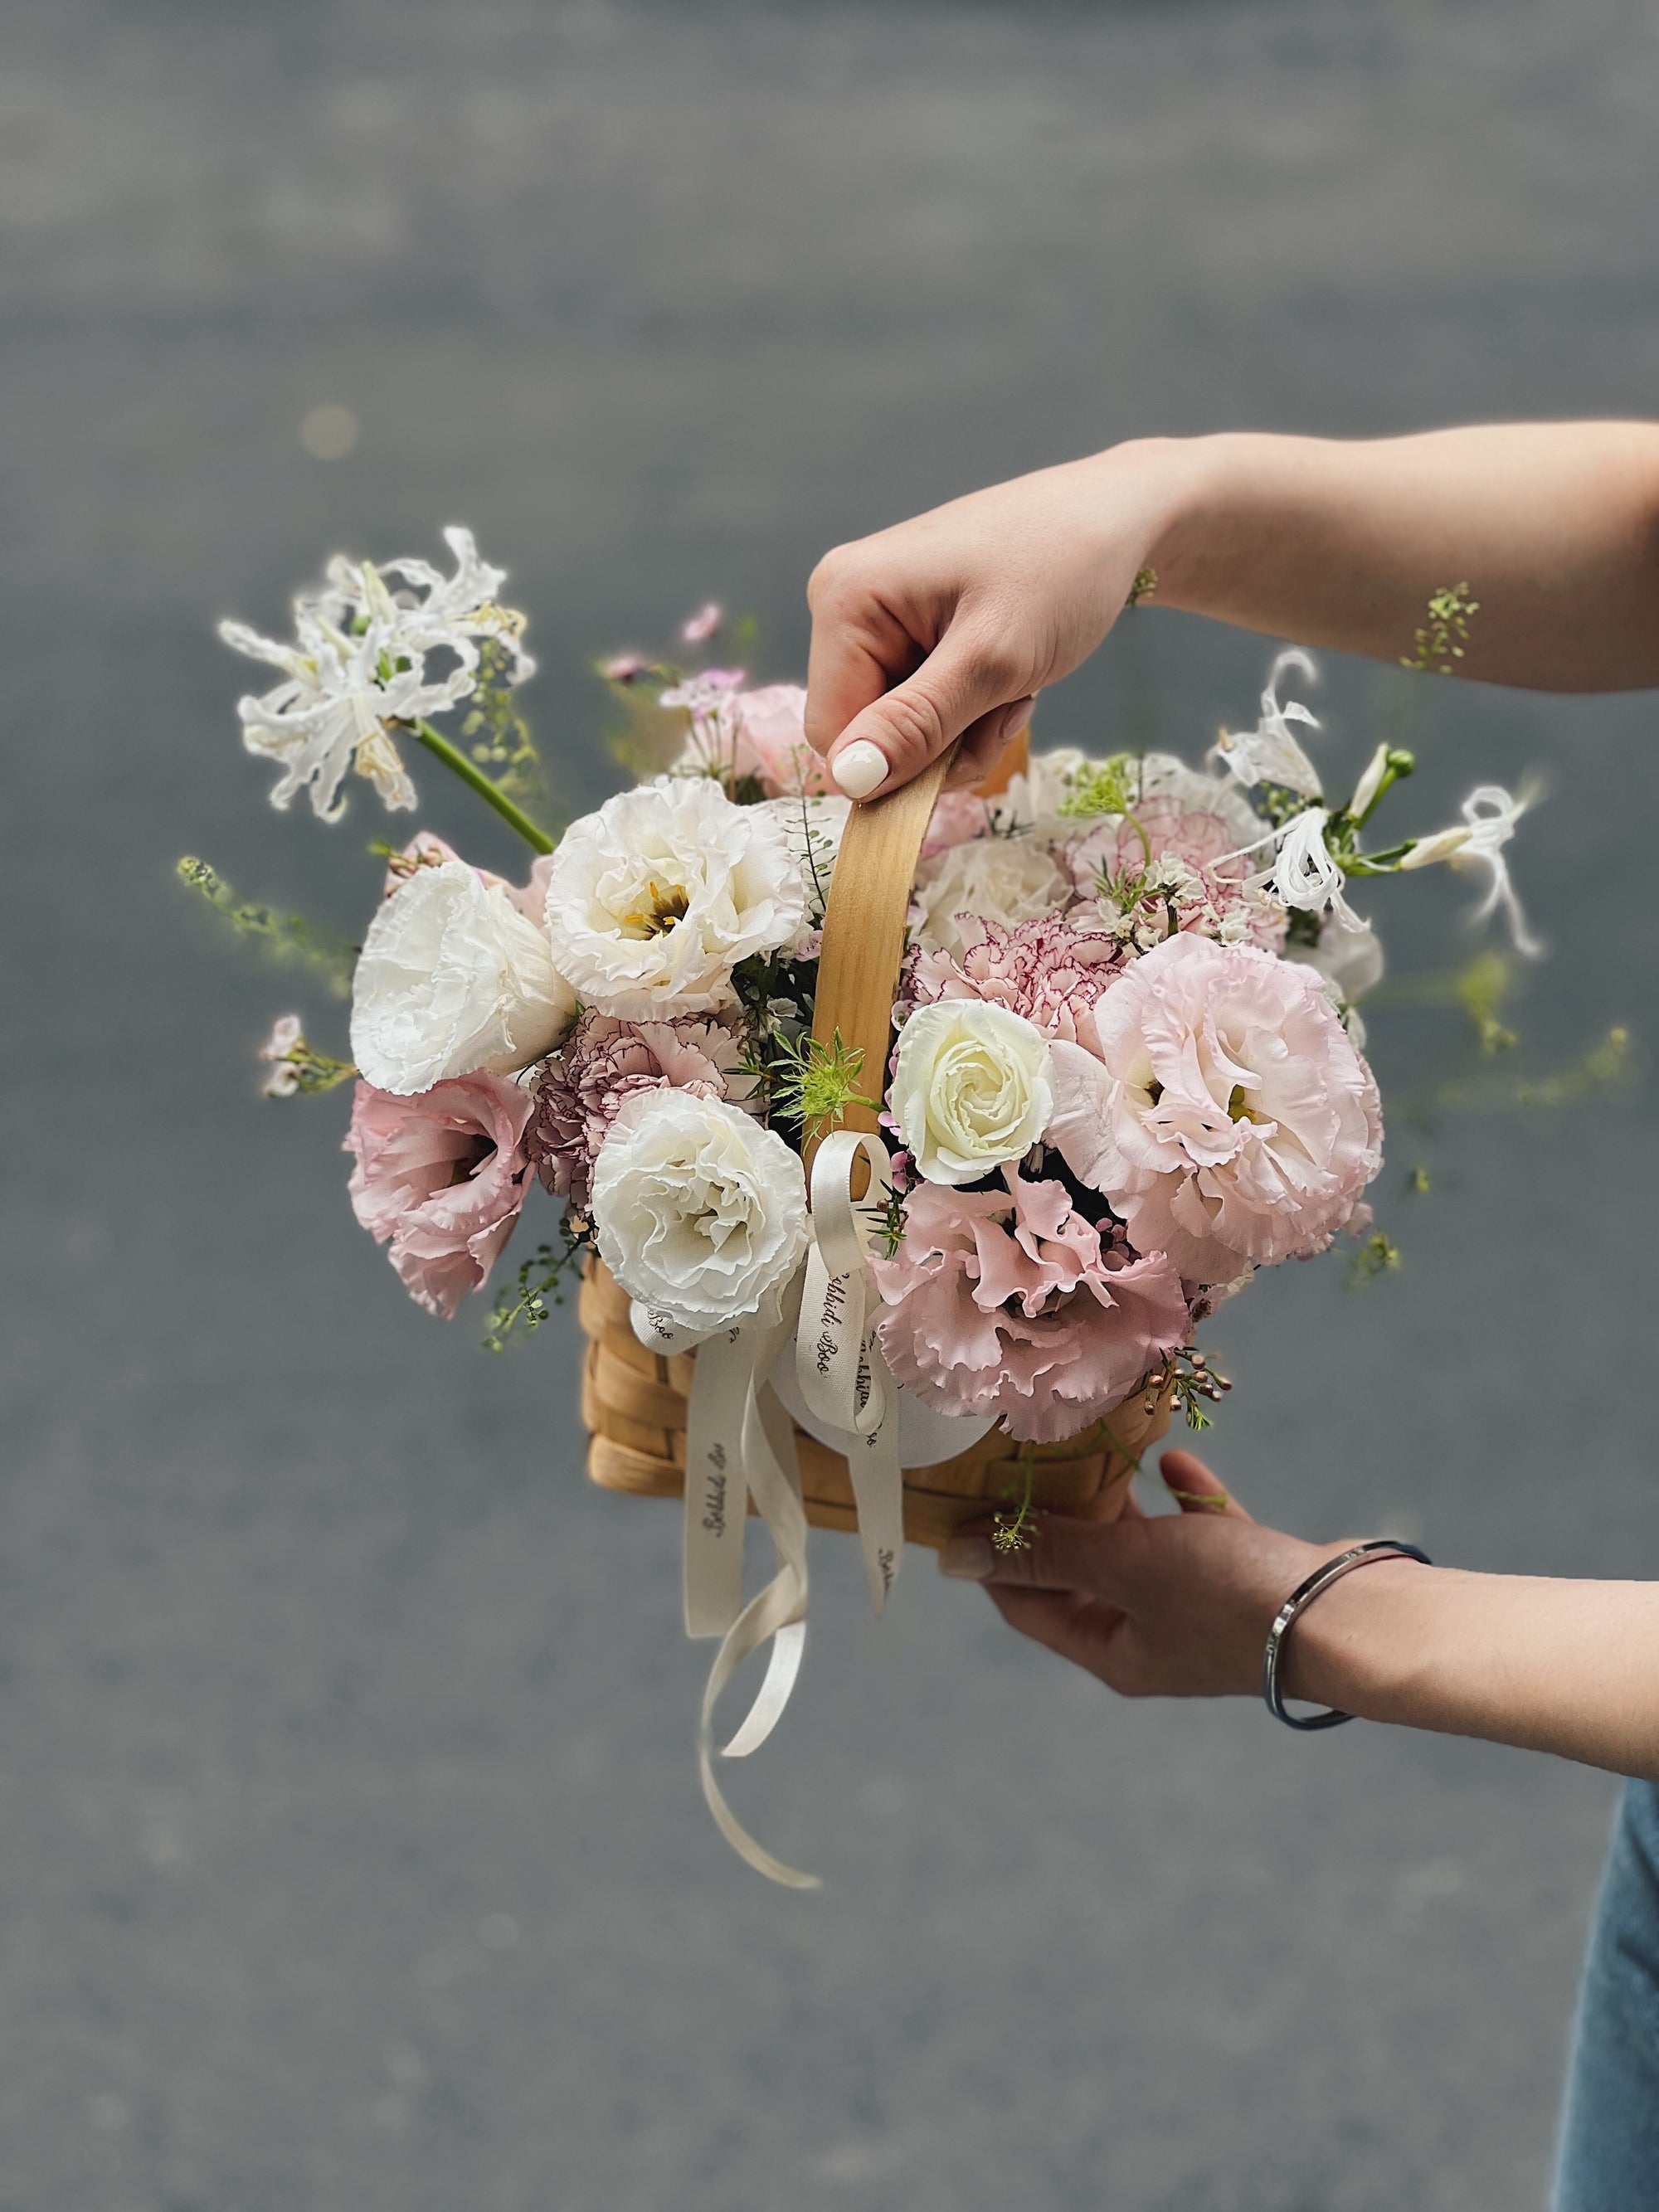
740,1446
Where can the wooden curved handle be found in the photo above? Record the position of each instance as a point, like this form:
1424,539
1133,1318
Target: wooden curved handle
864,921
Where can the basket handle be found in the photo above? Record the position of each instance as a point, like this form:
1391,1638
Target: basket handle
864,921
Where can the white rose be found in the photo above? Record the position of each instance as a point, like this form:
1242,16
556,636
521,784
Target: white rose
1005,879
973,1087
651,901
701,1214
452,979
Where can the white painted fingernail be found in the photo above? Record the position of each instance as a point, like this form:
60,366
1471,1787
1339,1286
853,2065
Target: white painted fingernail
861,769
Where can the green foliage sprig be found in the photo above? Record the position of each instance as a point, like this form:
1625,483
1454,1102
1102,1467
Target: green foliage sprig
288,936
814,1083
1108,786
1438,642
522,1306
499,735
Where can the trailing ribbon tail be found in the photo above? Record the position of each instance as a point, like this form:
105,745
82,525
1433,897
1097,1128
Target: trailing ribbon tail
838,1362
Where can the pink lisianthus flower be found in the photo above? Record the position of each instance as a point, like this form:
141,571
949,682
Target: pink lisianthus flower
441,1177
1012,1304
605,1060
1171,866
1223,1109
772,743
1048,969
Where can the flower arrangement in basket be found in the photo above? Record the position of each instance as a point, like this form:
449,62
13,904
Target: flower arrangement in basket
903,1148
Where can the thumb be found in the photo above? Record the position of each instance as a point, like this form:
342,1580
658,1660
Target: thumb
965,678
1196,1488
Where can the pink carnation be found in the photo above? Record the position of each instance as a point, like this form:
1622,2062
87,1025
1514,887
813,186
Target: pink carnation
1224,1110
603,1061
1047,969
1212,892
441,1177
1014,1304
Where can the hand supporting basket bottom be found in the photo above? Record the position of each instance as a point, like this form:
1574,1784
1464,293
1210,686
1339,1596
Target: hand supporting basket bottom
634,1405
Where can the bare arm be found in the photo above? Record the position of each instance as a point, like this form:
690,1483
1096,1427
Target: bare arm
1180,1607
952,621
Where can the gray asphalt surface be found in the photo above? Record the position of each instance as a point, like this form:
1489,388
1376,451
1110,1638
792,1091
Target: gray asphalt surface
350,1853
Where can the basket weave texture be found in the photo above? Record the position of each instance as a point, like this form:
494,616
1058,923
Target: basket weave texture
634,1399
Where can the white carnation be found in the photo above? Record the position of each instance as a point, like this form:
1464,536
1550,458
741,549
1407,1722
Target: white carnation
701,1214
651,901
972,1087
452,978
1007,879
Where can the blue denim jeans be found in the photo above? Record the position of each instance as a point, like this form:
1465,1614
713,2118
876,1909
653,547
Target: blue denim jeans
1609,2158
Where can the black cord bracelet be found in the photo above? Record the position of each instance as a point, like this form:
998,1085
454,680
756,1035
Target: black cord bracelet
1361,1555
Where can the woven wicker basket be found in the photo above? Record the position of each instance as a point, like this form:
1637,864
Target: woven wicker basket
634,1399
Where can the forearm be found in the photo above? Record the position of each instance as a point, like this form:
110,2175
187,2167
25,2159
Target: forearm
1565,1667
1554,528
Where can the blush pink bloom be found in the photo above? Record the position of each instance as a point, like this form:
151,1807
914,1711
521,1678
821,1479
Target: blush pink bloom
959,817
1047,969
1224,1110
1011,1302
441,1177
605,1060
772,743
1219,892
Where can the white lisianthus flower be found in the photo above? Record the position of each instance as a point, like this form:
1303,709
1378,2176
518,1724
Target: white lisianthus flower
1350,960
452,978
812,829
701,1214
973,1087
651,901
1005,879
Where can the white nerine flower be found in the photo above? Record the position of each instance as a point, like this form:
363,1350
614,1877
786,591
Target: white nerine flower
1371,783
701,1214
1305,875
358,670
973,1087
452,978
1489,815
1005,879
651,901
1269,753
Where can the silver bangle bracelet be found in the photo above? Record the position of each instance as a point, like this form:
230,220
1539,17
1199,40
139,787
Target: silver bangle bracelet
1361,1555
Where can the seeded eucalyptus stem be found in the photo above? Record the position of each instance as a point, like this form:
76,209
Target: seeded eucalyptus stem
435,742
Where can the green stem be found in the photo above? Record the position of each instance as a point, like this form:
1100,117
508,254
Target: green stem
537,840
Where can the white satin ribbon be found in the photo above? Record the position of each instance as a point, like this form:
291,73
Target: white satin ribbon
740,1445
838,1362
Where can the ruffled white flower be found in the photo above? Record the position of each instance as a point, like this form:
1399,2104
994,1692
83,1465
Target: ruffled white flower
701,1214
1269,753
1350,962
651,901
1490,814
1005,879
972,1088
357,671
813,829
1164,776
452,978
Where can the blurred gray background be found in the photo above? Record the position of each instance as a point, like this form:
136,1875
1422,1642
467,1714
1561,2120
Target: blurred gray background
351,1852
